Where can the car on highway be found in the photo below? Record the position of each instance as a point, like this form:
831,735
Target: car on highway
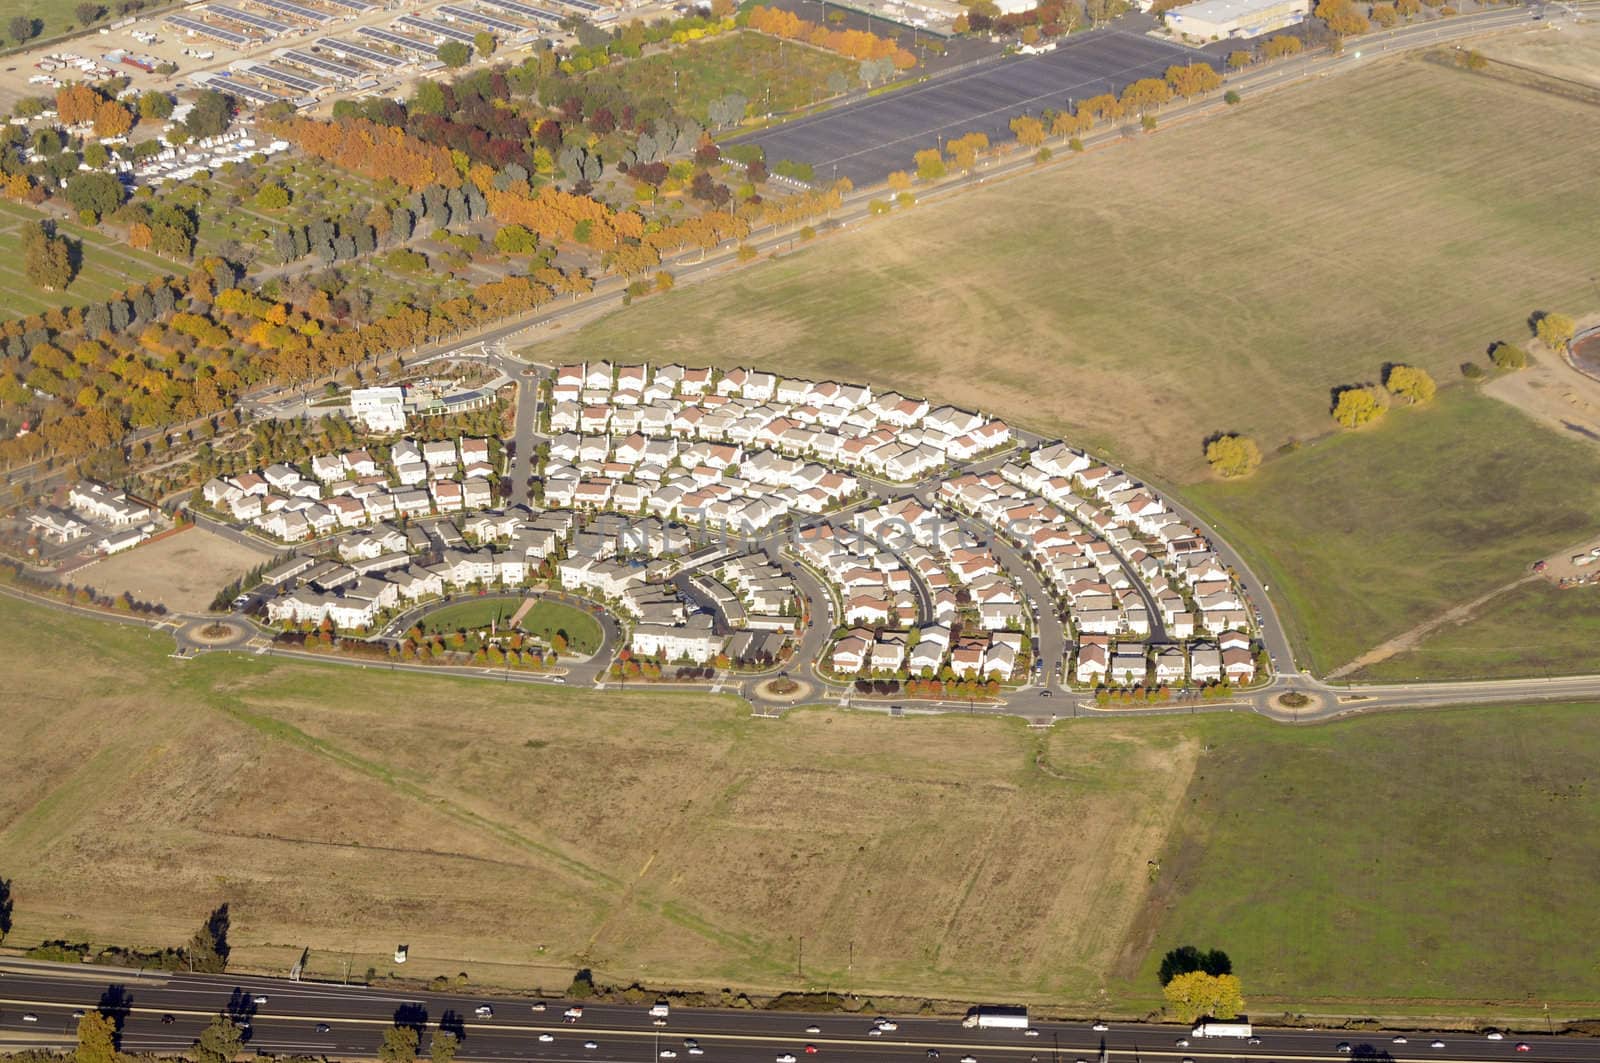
813,1029
1343,1046
1252,1040
658,1022
690,1042
572,1014
323,1027
933,1053
811,1050
77,1013
537,1005
1100,1027
697,1051
787,1057
546,1038
483,1011
167,1020
969,1059
888,1026
1494,1035
1032,1031
1182,1042
1398,1040
1522,1046
1437,1044
259,998
30,1017
590,1045
667,1053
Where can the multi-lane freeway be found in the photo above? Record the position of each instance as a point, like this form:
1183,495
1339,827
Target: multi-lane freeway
166,1012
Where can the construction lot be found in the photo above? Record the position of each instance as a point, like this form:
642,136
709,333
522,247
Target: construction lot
182,571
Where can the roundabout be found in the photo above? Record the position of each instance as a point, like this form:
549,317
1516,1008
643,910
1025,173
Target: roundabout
781,690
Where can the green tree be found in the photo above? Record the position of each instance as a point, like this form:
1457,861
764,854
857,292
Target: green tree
21,28
1357,406
97,193
1554,330
1233,456
272,196
211,114
87,12
207,951
1410,383
1508,356
46,258
428,99
97,1038
219,1042
483,43
7,905
443,1047
399,1045
1197,993
454,54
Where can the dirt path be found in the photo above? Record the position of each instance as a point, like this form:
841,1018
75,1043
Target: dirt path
1408,640
1552,391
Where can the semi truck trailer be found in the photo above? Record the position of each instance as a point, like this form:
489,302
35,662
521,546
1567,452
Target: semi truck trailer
996,1019
1221,1029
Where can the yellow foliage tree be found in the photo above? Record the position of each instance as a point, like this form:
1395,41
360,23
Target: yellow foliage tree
1028,131
1410,383
1195,994
1357,406
1554,330
1233,456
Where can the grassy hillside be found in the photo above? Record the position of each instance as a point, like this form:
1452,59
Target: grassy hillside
1367,534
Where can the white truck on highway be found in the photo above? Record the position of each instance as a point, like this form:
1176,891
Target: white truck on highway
659,1010
991,1018
1212,1028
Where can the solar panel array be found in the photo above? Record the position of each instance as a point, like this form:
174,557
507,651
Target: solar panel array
361,52
376,34
438,29
260,22
323,65
584,5
297,82
240,89
284,7
516,7
205,29
478,18
357,6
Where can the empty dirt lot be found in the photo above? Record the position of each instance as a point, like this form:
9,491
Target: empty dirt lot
183,571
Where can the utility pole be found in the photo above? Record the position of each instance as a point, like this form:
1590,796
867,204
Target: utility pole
799,959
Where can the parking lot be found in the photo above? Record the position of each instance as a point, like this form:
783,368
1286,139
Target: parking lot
867,139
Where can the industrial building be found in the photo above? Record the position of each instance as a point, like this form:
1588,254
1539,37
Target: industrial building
1208,20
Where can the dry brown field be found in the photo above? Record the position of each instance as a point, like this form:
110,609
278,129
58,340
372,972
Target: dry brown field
184,571
668,838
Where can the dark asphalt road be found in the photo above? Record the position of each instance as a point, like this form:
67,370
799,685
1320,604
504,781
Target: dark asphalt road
867,139
356,1016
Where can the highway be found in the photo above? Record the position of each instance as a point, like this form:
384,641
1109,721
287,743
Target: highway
355,1016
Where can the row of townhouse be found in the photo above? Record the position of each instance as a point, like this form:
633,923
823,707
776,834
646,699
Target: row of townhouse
991,656
108,505
873,584
764,589
352,489
1229,657
814,421
693,640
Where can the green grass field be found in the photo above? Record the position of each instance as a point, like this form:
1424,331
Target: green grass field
1531,631
58,16
773,75
1439,861
107,266
1392,860
546,618
1143,297
1367,534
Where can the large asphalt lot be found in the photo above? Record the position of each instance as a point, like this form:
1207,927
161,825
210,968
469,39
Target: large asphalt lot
354,1017
867,139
